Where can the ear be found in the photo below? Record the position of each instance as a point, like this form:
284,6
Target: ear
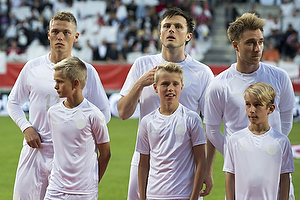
235,46
76,83
189,36
271,108
48,34
76,37
155,88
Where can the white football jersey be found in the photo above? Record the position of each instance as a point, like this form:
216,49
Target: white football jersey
257,162
169,140
75,133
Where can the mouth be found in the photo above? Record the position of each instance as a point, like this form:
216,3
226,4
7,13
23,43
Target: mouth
171,37
170,95
59,44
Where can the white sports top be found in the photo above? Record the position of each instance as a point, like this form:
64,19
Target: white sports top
75,133
35,82
257,162
169,140
225,99
196,78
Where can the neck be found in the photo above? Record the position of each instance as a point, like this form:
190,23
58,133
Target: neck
259,129
168,109
173,54
72,102
55,58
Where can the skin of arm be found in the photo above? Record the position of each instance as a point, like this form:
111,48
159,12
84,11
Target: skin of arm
230,186
143,173
284,187
210,157
199,157
127,104
103,159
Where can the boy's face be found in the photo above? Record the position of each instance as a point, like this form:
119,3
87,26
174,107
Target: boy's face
256,111
168,87
174,32
63,85
250,47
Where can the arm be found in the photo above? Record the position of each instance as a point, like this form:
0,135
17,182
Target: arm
127,104
215,136
286,121
199,157
284,186
143,173
208,179
230,186
103,159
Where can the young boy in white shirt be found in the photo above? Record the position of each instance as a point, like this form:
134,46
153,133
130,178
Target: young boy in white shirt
259,158
78,129
172,139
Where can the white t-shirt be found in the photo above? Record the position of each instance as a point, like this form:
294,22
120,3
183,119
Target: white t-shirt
169,140
35,82
257,162
225,97
196,78
75,133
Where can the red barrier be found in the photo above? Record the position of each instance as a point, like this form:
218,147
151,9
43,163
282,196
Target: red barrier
111,75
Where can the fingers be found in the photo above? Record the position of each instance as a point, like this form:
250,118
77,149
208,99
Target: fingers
32,138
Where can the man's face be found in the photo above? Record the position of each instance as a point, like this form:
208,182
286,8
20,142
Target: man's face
250,47
173,32
62,35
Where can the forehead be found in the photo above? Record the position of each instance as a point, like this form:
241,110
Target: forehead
252,34
59,24
168,76
177,19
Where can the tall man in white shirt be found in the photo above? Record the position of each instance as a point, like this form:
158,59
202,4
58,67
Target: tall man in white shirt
176,30
224,98
36,84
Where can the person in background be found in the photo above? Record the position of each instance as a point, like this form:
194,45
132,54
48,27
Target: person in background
224,97
35,83
176,30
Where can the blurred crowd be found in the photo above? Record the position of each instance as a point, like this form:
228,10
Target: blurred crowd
110,30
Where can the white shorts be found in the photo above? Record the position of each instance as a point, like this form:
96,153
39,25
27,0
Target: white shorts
55,195
34,168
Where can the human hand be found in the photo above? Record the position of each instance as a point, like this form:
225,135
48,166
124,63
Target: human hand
32,137
208,181
148,77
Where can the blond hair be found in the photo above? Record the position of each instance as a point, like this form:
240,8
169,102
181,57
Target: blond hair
168,67
64,16
72,68
248,21
264,92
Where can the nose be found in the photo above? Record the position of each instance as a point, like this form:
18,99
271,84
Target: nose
258,47
171,29
60,35
56,86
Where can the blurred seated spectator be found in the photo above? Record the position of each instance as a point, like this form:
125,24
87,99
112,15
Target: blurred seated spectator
13,52
271,54
112,54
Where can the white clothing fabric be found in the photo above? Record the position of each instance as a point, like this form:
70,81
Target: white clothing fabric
75,133
36,84
257,162
169,141
225,100
196,78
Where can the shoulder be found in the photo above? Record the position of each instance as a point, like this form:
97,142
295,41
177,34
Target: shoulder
273,70
37,61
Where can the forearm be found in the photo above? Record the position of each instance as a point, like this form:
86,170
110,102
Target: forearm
215,136
284,187
200,161
127,104
230,186
17,114
143,172
103,158
286,121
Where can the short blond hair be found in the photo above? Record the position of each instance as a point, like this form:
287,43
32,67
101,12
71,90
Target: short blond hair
64,16
72,68
168,67
264,92
248,21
